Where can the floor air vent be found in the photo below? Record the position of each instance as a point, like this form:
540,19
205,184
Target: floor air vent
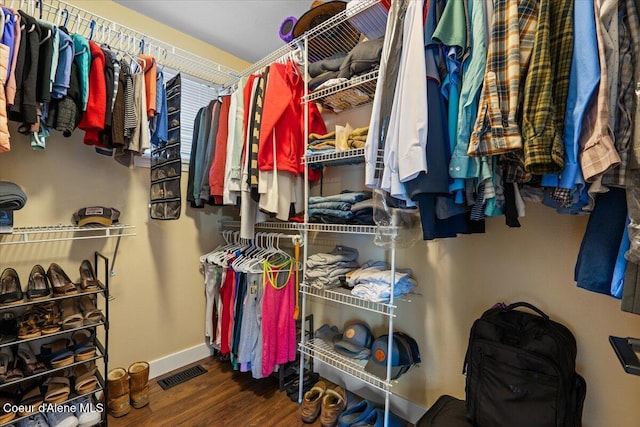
181,377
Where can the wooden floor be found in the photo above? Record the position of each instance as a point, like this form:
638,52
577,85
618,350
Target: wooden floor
221,397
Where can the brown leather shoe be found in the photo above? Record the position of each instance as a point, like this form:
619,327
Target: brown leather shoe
311,402
333,403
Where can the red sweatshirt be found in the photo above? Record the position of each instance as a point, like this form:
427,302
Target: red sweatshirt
283,114
93,119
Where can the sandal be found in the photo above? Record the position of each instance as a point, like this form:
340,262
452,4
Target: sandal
58,389
32,397
28,326
57,353
14,372
6,357
92,314
10,289
88,281
71,316
86,380
50,318
60,282
38,287
8,327
83,345
30,365
5,398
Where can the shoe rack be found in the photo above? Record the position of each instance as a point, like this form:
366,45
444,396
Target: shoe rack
16,388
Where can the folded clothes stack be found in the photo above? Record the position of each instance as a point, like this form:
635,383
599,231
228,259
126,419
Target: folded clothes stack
372,282
357,137
324,269
337,209
322,143
340,68
12,198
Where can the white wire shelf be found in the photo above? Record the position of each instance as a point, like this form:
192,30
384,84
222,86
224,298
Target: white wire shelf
337,34
343,31
324,352
287,226
351,93
355,155
317,227
344,297
342,228
129,40
60,232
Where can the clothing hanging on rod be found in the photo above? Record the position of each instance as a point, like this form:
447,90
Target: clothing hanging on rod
250,288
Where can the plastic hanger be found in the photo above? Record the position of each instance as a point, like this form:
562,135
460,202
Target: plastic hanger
65,14
92,26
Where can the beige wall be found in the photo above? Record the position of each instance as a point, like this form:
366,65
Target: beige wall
460,278
159,299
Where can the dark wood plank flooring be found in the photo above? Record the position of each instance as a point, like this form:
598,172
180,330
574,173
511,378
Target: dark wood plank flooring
220,397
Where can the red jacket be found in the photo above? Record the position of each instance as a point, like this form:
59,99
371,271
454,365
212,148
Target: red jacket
283,115
216,172
93,119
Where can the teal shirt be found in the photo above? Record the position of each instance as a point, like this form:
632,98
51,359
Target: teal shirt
83,59
461,165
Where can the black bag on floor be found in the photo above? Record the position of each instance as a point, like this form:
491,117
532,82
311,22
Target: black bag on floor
520,371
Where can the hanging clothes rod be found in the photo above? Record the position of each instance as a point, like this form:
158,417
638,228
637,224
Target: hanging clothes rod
128,40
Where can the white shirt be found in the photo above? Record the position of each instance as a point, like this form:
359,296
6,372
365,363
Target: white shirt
404,154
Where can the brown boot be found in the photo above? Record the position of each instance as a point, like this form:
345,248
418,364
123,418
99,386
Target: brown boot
334,402
118,392
139,384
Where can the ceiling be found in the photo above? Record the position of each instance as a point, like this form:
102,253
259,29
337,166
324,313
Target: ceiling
247,29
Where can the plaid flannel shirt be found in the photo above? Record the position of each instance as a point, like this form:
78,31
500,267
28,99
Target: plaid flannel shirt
513,31
597,152
546,88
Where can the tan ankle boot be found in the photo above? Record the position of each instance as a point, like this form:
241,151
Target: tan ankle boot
139,384
118,392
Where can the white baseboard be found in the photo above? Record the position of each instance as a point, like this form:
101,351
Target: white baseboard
177,360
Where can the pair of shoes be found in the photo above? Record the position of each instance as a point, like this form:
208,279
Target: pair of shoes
365,414
8,327
309,379
34,420
326,403
126,388
64,418
10,288
60,282
87,413
80,311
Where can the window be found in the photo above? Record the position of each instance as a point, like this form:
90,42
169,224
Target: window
195,95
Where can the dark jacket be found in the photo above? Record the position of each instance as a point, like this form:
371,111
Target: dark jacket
25,108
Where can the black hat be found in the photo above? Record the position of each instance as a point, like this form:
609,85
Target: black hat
96,215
